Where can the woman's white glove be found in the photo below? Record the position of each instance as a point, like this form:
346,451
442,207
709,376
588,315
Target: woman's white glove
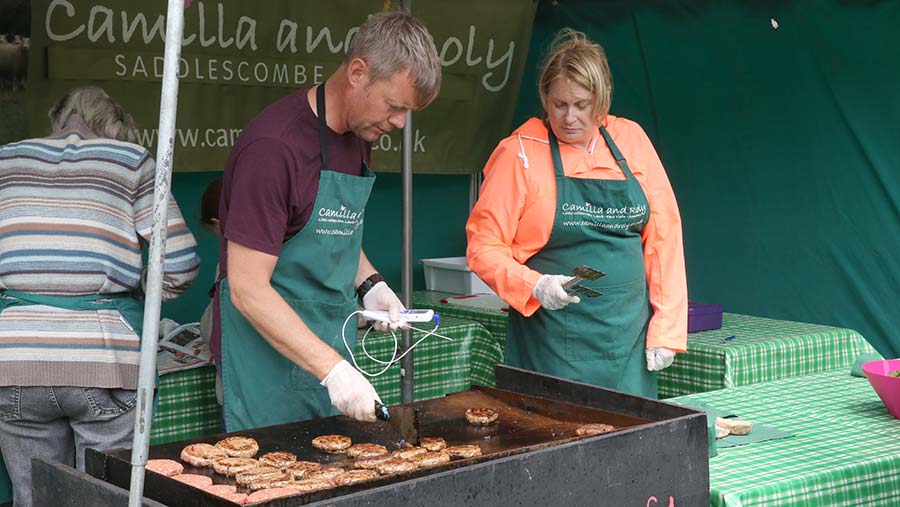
350,392
381,297
659,358
549,291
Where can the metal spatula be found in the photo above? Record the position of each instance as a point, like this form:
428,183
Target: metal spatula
583,272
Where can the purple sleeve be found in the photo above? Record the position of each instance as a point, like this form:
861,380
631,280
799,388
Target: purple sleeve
260,198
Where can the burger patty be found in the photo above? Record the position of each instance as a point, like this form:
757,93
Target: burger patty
594,429
307,485
370,463
244,478
269,494
481,416
431,459
326,473
197,481
463,451
409,452
278,481
355,477
277,459
202,455
239,447
167,467
233,466
332,443
395,466
300,468
433,443
366,450
223,490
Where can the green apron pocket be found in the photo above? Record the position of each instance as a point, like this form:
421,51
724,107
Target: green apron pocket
602,327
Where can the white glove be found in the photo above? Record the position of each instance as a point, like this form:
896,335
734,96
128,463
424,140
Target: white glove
350,392
549,291
659,358
381,297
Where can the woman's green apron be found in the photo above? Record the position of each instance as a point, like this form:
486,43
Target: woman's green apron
601,340
314,274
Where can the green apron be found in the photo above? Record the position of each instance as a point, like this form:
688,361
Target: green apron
314,274
131,309
601,340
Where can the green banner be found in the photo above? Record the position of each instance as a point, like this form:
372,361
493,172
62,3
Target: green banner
237,58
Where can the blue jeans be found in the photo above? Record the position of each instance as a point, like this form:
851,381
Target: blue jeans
59,423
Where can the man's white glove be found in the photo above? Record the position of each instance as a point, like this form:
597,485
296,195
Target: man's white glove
381,297
350,392
549,291
659,358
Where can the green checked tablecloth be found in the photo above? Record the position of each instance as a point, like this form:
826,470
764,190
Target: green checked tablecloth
762,350
187,400
845,450
492,320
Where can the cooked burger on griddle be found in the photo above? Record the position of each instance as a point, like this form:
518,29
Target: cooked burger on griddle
366,450
239,447
370,463
332,443
433,443
409,452
481,416
244,478
395,466
233,466
430,459
277,481
325,473
594,429
202,455
277,459
355,477
299,468
307,485
463,451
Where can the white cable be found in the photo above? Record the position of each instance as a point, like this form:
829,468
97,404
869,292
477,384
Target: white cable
394,357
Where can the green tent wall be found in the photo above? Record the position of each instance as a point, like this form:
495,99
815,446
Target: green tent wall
779,126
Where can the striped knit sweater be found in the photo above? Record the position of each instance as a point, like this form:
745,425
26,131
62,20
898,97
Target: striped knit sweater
75,212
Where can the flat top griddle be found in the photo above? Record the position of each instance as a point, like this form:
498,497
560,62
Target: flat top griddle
526,423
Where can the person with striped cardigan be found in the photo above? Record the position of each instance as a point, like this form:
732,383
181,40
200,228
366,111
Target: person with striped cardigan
75,214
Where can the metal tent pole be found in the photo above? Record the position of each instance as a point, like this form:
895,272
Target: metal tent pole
407,394
164,154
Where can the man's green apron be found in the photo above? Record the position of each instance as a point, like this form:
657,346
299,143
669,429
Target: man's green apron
601,340
314,274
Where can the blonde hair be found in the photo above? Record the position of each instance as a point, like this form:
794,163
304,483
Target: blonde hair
100,113
394,41
573,56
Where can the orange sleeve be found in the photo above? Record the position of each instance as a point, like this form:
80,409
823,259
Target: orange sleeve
663,252
491,230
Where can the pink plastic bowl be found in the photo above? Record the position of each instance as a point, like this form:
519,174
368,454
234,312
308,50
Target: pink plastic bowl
887,387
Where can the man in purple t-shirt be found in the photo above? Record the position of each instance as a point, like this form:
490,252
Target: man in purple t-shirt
291,210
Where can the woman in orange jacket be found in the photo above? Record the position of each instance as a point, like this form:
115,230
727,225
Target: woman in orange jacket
582,187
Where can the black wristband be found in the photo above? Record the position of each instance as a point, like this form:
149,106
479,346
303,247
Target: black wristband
367,285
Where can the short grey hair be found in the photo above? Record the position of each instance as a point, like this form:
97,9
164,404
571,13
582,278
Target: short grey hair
100,113
394,41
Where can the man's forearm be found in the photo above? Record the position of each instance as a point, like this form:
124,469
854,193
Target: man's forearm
364,270
285,331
